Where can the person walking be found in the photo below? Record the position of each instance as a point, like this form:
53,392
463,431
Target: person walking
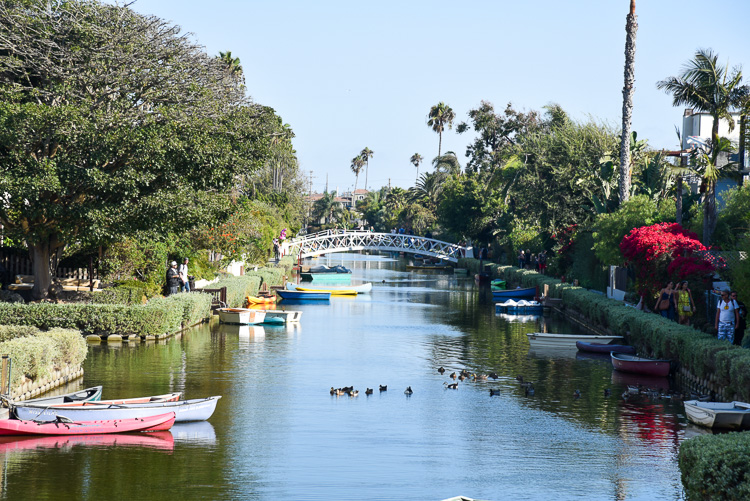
183,271
727,317
739,330
685,304
173,279
665,302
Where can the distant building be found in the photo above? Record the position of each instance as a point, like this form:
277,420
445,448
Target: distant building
696,131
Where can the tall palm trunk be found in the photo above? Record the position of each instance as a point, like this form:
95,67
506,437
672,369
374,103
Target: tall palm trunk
440,142
741,149
709,200
367,172
628,89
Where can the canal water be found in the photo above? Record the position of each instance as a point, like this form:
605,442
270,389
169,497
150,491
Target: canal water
279,434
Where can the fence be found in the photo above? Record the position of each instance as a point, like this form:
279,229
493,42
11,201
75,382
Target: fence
21,265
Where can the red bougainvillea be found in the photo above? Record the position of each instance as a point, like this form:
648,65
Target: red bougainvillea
663,252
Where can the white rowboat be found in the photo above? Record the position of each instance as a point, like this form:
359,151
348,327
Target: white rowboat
242,316
544,340
729,416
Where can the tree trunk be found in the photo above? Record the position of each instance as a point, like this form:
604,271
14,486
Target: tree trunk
627,103
741,149
678,201
440,142
367,173
709,213
45,256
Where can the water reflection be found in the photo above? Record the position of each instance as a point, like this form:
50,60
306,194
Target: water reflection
278,434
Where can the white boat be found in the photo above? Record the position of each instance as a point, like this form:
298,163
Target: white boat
545,340
360,289
730,415
289,316
241,316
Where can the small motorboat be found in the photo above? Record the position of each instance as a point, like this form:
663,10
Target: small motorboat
640,365
719,415
198,409
89,394
160,422
317,296
498,284
527,293
521,307
543,339
605,348
361,289
243,316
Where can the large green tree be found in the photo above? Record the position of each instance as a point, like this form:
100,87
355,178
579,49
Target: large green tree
706,85
441,116
113,123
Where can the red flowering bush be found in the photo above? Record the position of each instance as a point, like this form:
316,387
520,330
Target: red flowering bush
665,251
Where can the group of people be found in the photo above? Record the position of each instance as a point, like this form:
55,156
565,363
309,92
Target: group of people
529,261
676,303
177,278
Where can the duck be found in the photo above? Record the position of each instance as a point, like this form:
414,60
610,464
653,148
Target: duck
607,392
333,390
494,392
461,377
383,387
465,373
519,379
526,384
452,386
408,391
529,391
354,393
480,377
577,394
340,392
368,391
453,375
492,375
348,389
441,370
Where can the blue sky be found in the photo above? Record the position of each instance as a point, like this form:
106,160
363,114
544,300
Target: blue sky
348,74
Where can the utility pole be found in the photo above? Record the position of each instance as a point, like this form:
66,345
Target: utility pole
389,184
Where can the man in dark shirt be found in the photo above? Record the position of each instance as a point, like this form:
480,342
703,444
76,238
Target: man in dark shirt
173,279
739,330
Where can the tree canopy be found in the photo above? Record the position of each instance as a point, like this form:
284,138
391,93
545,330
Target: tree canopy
112,122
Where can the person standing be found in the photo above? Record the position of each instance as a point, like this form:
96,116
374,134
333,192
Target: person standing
739,330
685,304
665,302
173,279
276,248
183,271
528,259
521,259
543,262
727,317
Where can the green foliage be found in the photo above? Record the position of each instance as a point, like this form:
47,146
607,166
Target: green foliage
158,317
238,288
270,276
524,234
469,209
585,265
13,331
733,223
609,229
715,467
36,354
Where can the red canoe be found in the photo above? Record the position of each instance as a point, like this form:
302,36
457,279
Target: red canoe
640,365
162,422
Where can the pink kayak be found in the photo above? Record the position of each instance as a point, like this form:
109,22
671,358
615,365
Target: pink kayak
161,422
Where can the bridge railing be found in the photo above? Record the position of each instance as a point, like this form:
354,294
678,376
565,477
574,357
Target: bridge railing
347,240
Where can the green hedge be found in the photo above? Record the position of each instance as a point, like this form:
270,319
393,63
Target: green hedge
270,276
287,264
702,354
238,288
715,467
37,355
158,316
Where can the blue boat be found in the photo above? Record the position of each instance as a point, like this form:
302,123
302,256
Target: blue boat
527,293
521,307
318,296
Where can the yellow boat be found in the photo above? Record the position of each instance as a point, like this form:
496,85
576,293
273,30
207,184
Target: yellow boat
334,292
260,300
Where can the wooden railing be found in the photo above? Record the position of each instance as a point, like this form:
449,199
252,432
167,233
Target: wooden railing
219,296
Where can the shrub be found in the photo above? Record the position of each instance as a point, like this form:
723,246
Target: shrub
238,288
8,332
159,316
715,466
10,297
35,354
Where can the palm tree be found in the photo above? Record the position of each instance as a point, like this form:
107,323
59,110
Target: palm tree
441,115
447,165
327,207
416,159
357,163
707,86
631,27
710,172
366,155
233,66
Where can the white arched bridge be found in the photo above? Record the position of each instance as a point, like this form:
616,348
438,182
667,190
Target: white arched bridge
328,241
